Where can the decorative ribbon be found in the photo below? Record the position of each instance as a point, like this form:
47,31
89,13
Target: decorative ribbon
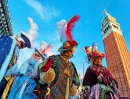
7,88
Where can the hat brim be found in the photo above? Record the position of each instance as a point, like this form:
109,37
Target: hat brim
61,49
70,45
102,55
36,50
26,40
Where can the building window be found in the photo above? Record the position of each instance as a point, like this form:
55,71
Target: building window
108,26
106,29
115,26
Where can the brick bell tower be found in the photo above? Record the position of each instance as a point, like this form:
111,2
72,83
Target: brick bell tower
118,57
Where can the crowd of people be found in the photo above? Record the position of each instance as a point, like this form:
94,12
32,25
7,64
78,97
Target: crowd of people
52,77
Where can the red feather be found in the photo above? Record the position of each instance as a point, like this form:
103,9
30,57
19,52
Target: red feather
70,26
46,49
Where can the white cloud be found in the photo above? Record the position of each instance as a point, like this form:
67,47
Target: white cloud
45,13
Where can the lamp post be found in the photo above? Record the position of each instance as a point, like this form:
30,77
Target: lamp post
83,68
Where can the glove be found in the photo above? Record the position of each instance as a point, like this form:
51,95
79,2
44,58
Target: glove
49,76
73,90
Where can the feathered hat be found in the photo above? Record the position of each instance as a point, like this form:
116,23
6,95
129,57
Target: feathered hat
42,49
93,53
28,38
65,31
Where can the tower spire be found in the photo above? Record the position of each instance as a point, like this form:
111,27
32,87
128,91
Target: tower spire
105,15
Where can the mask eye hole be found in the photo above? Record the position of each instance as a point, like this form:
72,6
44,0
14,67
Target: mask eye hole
37,55
70,51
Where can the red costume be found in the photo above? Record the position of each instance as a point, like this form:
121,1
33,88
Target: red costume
98,81
93,73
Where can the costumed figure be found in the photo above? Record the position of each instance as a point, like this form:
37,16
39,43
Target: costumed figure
98,81
58,73
24,82
9,52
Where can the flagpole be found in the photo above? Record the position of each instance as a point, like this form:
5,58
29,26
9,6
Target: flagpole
83,69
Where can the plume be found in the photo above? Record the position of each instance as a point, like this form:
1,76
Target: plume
61,27
70,26
48,47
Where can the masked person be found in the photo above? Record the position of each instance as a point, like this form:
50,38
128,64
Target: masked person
98,81
24,82
58,73
10,52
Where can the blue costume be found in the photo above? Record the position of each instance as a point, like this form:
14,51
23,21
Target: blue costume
7,46
24,83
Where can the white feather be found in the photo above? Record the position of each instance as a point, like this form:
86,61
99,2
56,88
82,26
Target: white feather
61,28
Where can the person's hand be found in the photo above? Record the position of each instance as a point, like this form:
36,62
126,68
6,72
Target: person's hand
49,76
73,90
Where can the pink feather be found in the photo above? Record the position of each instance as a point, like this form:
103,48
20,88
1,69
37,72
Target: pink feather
46,49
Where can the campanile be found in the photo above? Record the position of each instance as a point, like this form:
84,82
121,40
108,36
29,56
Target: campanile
118,57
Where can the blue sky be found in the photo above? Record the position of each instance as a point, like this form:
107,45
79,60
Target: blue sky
47,12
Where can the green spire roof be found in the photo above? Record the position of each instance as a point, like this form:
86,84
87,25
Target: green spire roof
105,15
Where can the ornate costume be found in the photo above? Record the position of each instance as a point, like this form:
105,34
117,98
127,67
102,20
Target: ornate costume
98,80
8,58
64,82
64,73
9,54
24,82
